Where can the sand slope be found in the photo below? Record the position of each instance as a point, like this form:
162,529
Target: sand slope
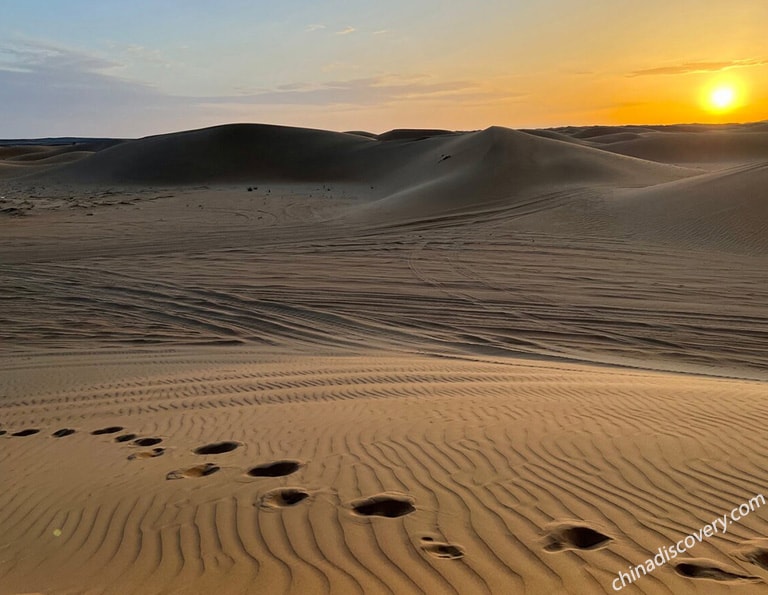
467,476
695,147
726,209
261,359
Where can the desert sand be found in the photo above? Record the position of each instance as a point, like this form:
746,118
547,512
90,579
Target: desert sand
261,359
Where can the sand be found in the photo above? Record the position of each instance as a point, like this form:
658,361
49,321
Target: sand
256,359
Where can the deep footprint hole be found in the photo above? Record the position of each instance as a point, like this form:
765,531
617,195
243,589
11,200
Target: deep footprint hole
63,432
107,430
203,470
147,441
386,506
585,538
276,469
289,496
759,558
709,571
125,437
216,448
28,432
688,570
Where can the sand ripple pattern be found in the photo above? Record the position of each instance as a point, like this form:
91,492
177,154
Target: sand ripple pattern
481,288
410,474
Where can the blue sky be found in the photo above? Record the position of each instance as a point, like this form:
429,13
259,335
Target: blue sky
116,68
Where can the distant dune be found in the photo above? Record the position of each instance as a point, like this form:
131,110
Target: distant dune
232,153
695,147
424,171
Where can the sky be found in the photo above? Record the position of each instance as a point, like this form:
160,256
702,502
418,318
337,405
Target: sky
129,69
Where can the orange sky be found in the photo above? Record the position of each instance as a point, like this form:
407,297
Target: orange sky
129,69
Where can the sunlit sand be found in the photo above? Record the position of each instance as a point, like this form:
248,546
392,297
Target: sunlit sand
259,359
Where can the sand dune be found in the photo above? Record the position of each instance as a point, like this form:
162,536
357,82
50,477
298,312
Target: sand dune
726,210
14,152
499,164
262,359
230,153
696,147
412,172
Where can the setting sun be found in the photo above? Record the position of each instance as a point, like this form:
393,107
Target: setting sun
723,98
723,95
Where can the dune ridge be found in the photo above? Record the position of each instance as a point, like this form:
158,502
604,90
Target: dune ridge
410,166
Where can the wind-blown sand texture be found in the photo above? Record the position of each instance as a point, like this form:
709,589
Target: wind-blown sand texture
256,359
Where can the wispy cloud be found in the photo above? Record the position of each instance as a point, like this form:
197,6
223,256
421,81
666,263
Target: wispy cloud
314,27
346,31
54,90
698,67
57,90
147,55
362,91
31,56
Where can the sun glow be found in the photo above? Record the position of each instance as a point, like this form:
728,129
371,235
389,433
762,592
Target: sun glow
721,96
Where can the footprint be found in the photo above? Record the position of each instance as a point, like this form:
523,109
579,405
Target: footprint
440,549
754,551
125,437
197,471
390,505
216,448
275,469
704,568
147,441
28,432
63,432
3,432
147,454
574,536
283,497
108,430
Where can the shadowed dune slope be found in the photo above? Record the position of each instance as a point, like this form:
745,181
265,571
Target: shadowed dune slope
14,152
228,153
554,135
412,134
